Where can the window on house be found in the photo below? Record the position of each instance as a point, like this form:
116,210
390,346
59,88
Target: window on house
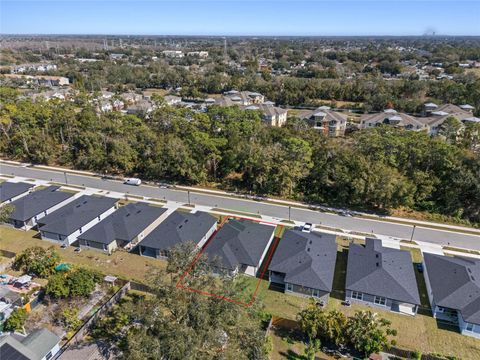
80,230
98,217
289,287
49,356
105,247
379,300
87,243
470,327
315,293
357,295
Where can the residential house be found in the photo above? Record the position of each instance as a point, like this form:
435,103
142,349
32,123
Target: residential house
11,191
271,115
244,97
381,276
40,344
199,54
305,263
34,206
173,53
435,117
453,286
40,79
172,100
179,227
124,228
331,123
67,223
240,246
143,107
393,118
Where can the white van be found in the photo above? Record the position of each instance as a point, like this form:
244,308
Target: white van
133,181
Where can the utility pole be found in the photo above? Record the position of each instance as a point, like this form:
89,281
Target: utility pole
66,179
289,210
413,232
188,195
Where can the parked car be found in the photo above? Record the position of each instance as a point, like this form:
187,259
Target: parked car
77,250
346,213
132,181
308,227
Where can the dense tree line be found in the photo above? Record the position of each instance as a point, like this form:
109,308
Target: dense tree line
379,168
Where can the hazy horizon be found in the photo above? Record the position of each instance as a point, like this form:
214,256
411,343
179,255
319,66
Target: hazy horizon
240,18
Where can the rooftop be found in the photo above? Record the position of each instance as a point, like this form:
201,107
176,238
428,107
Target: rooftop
9,190
306,259
37,202
179,227
35,346
240,242
124,224
75,214
377,270
455,284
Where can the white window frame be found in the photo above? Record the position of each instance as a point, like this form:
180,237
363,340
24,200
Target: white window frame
380,300
316,293
288,287
357,295
472,327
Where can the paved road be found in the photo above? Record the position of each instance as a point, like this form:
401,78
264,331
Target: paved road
278,211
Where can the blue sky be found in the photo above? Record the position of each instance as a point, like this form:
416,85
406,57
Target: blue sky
234,17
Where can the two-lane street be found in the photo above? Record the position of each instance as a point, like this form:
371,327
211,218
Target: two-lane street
438,236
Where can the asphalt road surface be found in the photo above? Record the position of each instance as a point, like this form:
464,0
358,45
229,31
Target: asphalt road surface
437,236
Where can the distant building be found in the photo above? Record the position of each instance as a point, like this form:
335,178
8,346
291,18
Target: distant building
173,53
172,100
330,122
40,79
271,115
33,67
200,54
392,118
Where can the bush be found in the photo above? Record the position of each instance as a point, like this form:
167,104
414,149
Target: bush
38,261
80,282
16,320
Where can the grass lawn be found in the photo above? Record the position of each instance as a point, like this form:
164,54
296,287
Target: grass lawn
120,263
421,333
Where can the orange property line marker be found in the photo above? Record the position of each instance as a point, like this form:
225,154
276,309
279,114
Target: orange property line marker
221,297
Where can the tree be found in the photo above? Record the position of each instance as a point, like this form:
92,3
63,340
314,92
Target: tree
312,347
69,318
37,260
368,333
82,282
333,327
5,212
57,286
16,320
180,324
450,129
311,319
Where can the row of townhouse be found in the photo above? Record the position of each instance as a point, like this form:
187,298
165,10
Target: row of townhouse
303,263
431,121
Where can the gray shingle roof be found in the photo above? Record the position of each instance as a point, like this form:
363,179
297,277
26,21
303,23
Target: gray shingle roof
37,202
75,214
306,259
377,270
124,224
455,284
179,227
35,346
9,190
240,242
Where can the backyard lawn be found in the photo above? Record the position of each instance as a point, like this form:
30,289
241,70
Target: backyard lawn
121,263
